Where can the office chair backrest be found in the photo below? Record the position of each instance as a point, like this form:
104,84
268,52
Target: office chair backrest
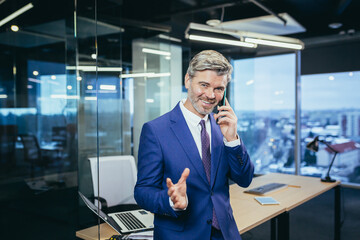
59,135
117,178
32,151
8,135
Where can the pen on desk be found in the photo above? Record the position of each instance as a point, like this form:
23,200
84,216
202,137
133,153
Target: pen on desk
294,186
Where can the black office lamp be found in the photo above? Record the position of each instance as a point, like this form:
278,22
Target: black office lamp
314,146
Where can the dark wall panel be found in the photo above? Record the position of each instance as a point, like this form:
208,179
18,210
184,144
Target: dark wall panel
335,58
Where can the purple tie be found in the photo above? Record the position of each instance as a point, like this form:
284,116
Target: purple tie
206,159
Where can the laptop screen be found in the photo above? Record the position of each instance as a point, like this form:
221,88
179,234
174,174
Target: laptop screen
100,213
124,222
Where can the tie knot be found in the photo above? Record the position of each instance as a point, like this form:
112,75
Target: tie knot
202,123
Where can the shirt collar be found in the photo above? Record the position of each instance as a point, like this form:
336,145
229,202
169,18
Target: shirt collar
191,117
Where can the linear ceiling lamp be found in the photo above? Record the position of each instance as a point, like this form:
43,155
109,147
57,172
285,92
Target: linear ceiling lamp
147,75
16,13
249,37
221,41
155,51
93,68
274,43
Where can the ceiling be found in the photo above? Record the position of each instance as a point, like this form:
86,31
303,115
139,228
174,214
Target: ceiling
310,19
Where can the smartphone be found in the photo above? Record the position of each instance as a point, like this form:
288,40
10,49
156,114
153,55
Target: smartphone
221,103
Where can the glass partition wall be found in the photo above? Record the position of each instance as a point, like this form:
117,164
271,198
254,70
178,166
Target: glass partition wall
38,123
69,103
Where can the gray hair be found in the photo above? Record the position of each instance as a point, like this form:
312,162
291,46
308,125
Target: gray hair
210,60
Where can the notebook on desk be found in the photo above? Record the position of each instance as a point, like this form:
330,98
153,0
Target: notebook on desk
124,222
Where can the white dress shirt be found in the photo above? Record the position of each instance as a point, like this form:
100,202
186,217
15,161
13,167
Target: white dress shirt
193,122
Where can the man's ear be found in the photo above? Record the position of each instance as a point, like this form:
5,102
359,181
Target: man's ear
187,81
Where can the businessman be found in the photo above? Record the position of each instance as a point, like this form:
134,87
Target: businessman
187,156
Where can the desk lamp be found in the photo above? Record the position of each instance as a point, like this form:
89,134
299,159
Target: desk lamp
314,146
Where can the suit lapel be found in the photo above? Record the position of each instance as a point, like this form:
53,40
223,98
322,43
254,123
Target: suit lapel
216,148
186,140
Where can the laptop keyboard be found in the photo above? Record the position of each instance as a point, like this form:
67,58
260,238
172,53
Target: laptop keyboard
129,220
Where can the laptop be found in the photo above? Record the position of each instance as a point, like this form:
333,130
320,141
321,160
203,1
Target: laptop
124,222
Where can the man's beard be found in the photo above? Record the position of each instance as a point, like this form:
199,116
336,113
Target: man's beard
197,108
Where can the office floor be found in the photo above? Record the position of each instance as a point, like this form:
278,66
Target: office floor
315,219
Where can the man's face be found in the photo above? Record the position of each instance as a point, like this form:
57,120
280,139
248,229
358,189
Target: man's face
205,90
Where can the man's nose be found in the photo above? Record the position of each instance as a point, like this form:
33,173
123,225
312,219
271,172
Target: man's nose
210,93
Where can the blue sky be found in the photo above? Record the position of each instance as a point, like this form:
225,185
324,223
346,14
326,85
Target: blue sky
268,83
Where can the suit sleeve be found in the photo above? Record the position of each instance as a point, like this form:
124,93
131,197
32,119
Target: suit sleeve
241,167
150,190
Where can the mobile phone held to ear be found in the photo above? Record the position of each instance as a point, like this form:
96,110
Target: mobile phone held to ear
221,103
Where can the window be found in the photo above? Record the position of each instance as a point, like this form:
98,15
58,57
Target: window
263,98
331,110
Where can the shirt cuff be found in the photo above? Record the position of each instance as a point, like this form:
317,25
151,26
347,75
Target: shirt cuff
178,209
234,143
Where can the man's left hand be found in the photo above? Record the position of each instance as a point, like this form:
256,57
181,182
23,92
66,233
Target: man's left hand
227,120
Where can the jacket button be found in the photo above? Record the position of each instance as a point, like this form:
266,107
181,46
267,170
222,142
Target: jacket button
209,221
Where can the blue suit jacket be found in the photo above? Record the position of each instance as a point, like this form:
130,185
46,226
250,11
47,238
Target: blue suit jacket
166,149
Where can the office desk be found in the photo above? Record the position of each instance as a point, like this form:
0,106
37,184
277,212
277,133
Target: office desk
91,233
248,213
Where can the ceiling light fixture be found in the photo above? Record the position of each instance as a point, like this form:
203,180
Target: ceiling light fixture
155,51
14,28
213,22
148,75
245,37
64,96
221,41
90,98
335,25
107,87
16,13
136,75
274,43
162,36
93,68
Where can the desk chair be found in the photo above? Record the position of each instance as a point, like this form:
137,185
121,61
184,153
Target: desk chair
32,154
59,135
117,178
8,135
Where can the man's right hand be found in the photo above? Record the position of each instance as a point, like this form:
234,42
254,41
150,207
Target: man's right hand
177,192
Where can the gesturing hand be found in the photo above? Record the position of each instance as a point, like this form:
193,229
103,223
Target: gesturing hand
177,192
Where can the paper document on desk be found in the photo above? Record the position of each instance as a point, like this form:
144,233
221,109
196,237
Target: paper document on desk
146,235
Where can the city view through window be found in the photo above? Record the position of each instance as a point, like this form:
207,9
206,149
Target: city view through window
263,97
331,110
